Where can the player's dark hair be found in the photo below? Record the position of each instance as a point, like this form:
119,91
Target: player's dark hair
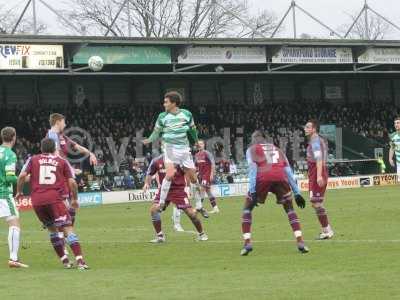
315,124
47,146
174,97
397,119
7,134
259,135
54,118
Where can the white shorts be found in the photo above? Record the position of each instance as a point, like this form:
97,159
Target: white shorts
179,156
8,209
398,171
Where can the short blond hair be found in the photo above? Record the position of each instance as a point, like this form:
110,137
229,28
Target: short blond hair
7,134
54,118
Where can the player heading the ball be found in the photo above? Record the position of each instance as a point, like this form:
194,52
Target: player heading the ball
176,127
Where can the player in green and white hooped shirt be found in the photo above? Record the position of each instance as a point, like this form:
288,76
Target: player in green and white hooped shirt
8,209
175,126
395,147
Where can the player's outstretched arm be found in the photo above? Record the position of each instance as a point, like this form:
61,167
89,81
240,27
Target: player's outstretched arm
156,131
73,187
193,135
391,153
151,171
20,183
153,137
252,177
85,151
292,180
147,182
23,176
212,161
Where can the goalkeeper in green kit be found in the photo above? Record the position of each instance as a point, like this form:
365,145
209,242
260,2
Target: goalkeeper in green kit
176,127
8,209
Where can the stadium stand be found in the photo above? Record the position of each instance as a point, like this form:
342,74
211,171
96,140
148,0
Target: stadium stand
369,120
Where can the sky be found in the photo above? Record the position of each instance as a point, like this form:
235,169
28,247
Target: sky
333,13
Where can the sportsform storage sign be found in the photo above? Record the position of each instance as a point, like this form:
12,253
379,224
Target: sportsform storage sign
31,57
308,55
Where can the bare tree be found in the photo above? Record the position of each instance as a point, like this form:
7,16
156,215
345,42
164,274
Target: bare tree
169,18
93,17
265,22
168,22
377,28
8,19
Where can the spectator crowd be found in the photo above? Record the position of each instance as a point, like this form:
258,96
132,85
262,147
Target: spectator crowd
103,129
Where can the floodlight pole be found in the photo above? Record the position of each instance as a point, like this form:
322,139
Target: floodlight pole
59,15
280,22
35,31
294,19
354,23
366,20
365,11
293,7
116,17
21,16
318,21
385,19
128,7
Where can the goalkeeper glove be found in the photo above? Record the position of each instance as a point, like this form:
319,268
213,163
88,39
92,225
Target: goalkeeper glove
300,201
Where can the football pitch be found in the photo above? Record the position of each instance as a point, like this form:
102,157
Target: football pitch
361,262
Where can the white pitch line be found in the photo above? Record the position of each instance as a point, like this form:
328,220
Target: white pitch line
218,242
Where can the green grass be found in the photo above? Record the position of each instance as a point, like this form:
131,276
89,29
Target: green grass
362,262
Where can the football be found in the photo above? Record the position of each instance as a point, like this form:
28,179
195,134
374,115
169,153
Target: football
95,63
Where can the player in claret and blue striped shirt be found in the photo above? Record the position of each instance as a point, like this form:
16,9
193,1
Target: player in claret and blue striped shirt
317,153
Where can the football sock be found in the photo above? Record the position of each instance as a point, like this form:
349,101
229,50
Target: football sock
165,185
73,242
322,217
293,220
196,195
202,195
197,224
176,216
246,225
213,201
156,219
13,241
58,244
